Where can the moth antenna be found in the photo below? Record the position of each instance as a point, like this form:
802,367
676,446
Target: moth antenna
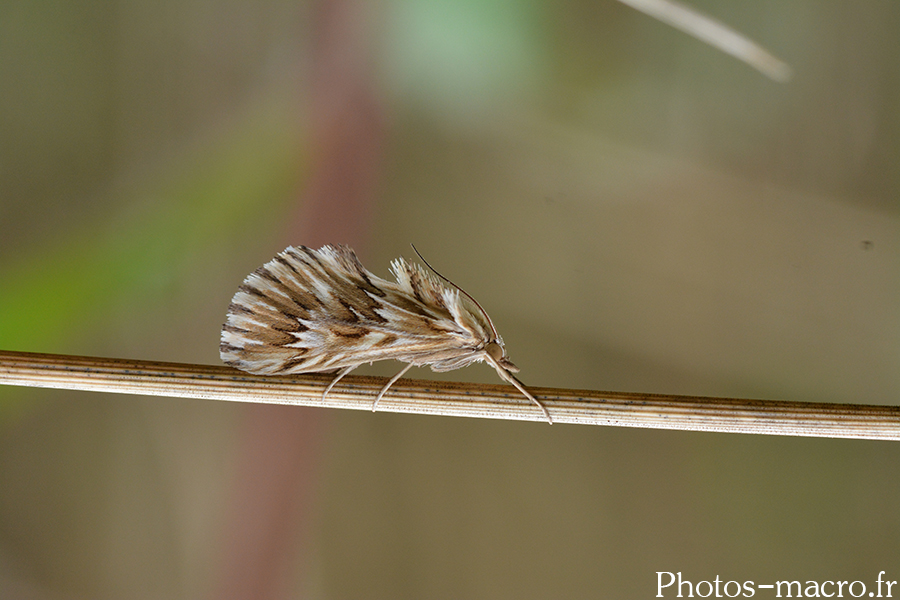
465,293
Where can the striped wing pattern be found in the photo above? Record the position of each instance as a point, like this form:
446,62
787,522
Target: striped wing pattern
320,310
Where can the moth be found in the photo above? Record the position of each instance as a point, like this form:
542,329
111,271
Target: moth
309,311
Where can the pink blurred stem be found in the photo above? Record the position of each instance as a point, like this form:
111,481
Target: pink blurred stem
277,472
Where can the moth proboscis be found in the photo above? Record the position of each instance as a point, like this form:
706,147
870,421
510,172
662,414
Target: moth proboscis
309,311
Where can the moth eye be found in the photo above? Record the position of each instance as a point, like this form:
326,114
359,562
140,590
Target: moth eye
494,350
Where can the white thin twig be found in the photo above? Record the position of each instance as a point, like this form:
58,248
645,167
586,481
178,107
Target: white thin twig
716,34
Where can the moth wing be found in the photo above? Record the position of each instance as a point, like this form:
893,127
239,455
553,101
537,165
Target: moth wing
320,310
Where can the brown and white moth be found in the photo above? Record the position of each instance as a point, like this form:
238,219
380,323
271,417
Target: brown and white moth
309,311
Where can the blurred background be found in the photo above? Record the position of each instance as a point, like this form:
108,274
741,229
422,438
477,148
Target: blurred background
636,210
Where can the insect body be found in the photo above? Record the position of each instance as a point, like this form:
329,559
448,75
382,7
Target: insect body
308,311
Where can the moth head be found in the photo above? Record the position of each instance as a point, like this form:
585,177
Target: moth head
498,354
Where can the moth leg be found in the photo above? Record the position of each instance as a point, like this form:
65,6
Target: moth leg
388,385
503,373
340,375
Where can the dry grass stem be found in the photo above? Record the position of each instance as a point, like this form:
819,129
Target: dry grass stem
455,399
716,34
